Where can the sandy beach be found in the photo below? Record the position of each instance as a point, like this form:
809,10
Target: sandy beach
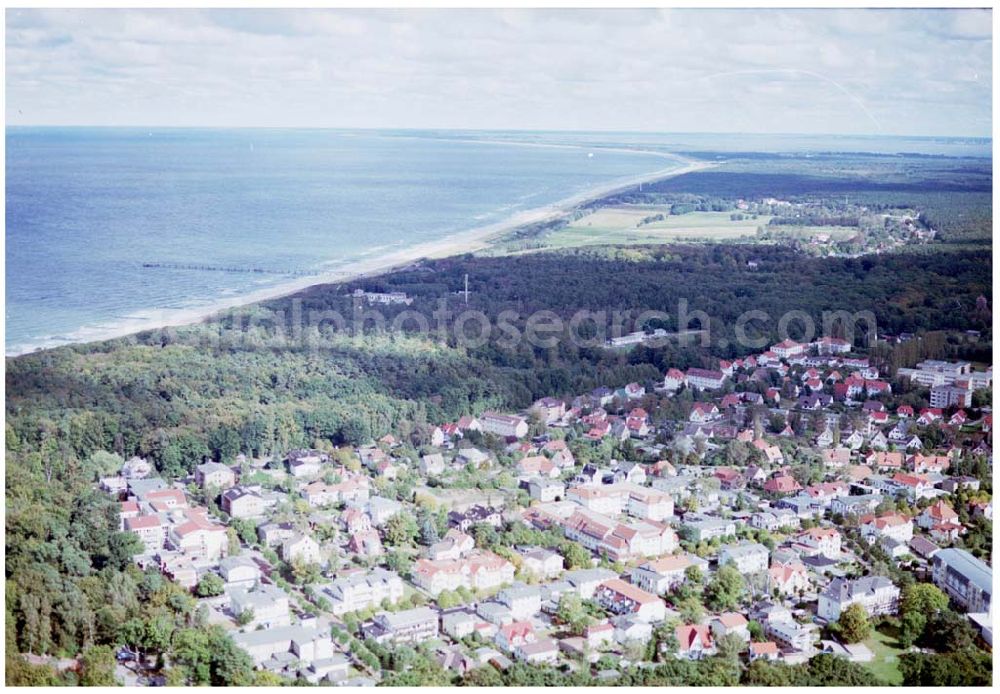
470,241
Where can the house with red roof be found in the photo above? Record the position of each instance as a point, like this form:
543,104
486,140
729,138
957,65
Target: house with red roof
947,532
892,525
885,460
126,510
875,387
929,415
199,538
148,529
766,650
537,466
855,385
825,541
782,484
877,418
451,431
787,578
366,543
355,521
599,430
935,514
730,623
770,452
826,492
166,499
660,576
729,478
729,400
619,597
468,423
516,634
637,426
916,486
788,348
674,379
835,457
928,463
703,412
694,641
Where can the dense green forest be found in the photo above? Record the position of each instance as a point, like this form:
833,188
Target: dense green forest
180,395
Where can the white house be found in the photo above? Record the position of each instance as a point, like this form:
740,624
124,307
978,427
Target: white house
267,603
523,600
787,578
694,641
705,379
301,548
542,563
305,644
660,576
894,526
215,475
876,594
747,557
239,572
504,425
619,597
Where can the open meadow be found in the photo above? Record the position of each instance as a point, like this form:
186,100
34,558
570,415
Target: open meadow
643,224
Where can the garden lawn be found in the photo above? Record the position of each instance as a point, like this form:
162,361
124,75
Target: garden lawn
885,665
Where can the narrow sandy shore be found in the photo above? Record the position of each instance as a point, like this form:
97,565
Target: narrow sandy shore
464,242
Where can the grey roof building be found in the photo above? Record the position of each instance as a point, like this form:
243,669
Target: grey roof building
967,580
877,594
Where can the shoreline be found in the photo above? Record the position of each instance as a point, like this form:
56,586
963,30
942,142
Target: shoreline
469,241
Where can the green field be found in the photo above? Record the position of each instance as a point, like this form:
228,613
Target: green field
886,662
624,225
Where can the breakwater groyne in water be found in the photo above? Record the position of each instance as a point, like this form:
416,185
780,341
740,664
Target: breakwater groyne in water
229,268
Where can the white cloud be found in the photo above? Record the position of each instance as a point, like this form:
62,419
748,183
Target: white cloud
919,72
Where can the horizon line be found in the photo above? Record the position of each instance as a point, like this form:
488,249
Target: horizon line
496,130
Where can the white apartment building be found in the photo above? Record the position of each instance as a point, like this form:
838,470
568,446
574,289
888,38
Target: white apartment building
876,594
363,590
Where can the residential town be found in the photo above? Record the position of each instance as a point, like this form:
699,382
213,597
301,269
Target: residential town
746,506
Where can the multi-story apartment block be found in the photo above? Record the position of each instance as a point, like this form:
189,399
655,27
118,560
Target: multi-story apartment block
408,626
876,594
504,425
747,557
363,590
967,580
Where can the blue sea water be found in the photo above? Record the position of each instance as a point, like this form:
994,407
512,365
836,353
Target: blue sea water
87,208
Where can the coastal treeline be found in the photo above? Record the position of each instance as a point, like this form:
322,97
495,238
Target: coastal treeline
181,396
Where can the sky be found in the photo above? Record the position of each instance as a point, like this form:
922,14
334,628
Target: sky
913,72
